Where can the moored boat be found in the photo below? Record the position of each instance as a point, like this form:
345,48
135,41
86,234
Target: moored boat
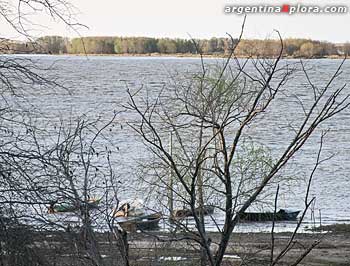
133,209
70,207
142,223
281,215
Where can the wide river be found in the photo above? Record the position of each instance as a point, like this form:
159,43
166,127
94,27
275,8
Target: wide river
97,87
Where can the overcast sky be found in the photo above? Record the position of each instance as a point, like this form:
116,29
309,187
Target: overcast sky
199,18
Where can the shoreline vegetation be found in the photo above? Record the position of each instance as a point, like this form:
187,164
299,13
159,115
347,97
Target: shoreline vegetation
179,56
144,46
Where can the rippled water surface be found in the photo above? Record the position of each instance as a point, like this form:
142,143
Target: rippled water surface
97,87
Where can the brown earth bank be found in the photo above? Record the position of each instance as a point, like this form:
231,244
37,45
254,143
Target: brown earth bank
255,248
161,248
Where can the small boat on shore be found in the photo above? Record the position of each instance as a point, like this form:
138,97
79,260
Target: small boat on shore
132,209
281,215
142,223
207,210
70,207
133,215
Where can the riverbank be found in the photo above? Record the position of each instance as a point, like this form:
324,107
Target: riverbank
255,249
160,248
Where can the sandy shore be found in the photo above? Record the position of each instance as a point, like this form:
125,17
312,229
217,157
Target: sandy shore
159,248
255,248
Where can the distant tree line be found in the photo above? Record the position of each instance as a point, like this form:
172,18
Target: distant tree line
144,45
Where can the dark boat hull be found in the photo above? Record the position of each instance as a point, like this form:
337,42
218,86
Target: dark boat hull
63,208
143,223
281,215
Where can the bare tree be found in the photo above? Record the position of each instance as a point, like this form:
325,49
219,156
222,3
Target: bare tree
44,165
214,157
74,171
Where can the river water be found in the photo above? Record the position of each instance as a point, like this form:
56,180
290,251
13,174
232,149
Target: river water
97,87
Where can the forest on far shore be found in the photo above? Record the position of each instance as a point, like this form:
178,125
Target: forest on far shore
296,48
